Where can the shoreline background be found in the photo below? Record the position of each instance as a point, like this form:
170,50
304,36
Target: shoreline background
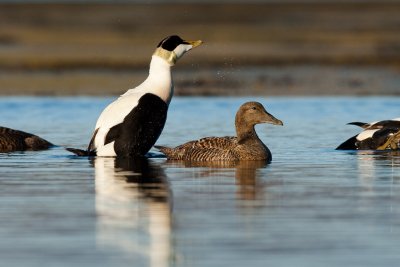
302,48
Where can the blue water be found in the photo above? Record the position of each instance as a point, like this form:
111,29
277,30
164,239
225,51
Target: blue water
312,206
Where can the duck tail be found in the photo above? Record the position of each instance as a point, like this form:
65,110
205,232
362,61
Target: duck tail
81,152
363,125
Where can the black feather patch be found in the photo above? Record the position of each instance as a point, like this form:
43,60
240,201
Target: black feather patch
81,152
141,128
171,42
349,144
113,133
91,148
359,124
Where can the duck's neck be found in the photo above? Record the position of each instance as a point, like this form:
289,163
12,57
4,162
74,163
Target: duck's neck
245,132
159,81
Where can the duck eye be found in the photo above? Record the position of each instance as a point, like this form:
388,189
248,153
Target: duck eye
253,108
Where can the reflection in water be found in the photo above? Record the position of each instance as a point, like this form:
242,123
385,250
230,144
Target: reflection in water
246,178
133,209
249,188
370,162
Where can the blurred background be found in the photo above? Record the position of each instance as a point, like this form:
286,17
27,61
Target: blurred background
291,47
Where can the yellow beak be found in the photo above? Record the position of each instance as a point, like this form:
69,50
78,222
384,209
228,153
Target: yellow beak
195,43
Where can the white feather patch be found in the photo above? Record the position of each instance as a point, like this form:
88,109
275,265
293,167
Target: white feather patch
106,151
159,82
366,134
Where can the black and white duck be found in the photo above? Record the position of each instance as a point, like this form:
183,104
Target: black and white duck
379,135
131,124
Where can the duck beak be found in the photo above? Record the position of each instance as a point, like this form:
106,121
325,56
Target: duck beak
272,120
194,43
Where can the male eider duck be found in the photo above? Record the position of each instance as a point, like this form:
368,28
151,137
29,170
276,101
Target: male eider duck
14,140
380,135
245,146
131,125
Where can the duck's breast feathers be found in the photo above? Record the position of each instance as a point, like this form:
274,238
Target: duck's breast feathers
138,130
116,111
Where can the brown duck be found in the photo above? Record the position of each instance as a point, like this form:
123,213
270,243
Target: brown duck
245,146
14,140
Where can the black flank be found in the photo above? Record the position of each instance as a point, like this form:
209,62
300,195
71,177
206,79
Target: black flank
141,127
350,144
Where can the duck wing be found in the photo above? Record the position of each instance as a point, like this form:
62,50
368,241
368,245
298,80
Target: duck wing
376,139
210,154
226,142
208,148
382,139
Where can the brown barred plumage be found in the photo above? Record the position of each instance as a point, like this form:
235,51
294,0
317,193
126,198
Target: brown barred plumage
246,146
14,140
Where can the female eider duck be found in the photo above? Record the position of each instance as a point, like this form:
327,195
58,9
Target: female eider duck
14,140
380,135
245,146
131,125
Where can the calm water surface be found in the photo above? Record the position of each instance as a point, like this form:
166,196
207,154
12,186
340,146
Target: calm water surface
313,206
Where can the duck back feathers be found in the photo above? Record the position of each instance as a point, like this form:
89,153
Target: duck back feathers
208,148
15,140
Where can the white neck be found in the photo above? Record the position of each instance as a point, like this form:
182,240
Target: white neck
160,78
159,82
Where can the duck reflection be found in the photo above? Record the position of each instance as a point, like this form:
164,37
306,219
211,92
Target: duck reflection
373,165
134,210
250,188
247,179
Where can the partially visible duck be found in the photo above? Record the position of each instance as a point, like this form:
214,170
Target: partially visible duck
380,135
14,140
131,124
245,146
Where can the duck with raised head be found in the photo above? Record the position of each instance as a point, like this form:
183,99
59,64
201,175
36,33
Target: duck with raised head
379,135
246,145
15,140
131,125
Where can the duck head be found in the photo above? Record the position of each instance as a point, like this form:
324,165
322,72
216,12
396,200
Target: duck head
252,113
174,47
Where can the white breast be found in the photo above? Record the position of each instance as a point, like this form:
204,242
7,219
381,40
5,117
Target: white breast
159,82
112,115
